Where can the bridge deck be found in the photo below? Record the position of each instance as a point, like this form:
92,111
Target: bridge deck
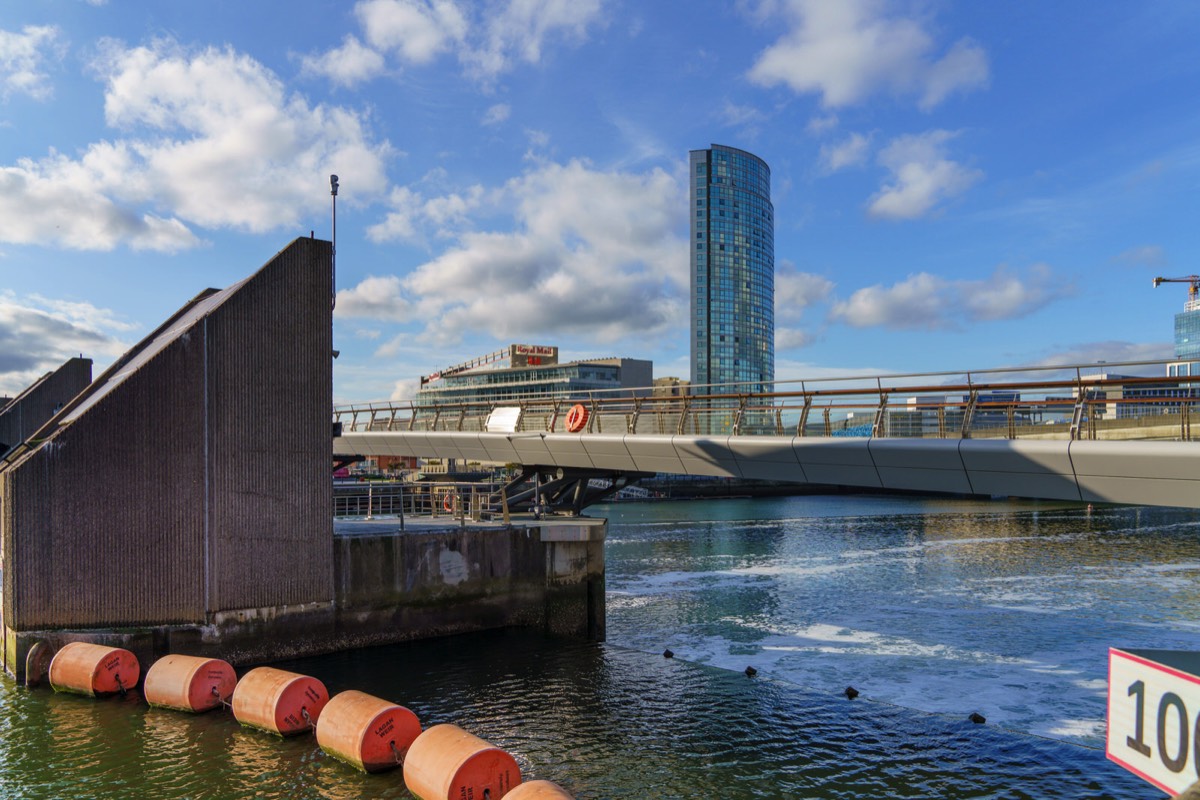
1137,472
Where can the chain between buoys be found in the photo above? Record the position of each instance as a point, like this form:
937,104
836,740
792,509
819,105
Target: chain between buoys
307,718
224,703
396,752
120,685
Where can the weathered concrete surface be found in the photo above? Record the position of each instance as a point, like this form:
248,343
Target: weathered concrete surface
393,586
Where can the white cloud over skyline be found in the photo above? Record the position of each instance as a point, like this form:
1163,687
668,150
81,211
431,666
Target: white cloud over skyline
591,252
849,50
923,301
487,38
22,57
922,176
212,139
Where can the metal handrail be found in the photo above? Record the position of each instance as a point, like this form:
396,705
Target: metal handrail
1048,402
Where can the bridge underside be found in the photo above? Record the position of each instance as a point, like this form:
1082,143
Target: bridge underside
1153,473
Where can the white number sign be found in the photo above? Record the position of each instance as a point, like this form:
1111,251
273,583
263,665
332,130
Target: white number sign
1154,715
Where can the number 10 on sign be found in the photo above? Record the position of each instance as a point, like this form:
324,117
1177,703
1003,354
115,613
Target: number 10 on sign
1154,715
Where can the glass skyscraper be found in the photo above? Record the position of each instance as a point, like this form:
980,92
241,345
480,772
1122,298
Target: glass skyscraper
733,270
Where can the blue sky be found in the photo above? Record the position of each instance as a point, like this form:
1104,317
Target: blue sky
956,185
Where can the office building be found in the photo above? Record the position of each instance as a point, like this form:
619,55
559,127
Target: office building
732,270
1187,341
528,370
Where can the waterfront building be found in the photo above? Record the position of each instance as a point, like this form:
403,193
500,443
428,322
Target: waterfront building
732,270
524,370
1187,342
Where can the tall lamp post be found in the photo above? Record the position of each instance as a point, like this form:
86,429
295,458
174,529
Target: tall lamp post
333,189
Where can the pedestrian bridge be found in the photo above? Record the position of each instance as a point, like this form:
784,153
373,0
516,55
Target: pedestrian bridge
1067,433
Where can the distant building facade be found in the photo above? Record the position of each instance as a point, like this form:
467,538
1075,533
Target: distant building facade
1187,342
522,370
732,269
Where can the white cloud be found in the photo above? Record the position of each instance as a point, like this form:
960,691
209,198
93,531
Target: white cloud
822,124
1149,255
374,298
733,114
487,38
929,302
21,57
522,28
591,253
405,389
211,139
37,334
57,201
850,152
415,30
922,176
497,114
412,215
792,338
851,49
347,65
796,291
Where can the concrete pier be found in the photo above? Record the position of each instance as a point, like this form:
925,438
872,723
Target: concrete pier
435,578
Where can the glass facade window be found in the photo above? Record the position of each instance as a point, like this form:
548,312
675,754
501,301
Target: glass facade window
1187,335
733,277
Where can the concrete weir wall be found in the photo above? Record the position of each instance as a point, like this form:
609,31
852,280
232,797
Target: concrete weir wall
397,586
389,587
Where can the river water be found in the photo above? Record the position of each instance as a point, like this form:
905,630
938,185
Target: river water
931,609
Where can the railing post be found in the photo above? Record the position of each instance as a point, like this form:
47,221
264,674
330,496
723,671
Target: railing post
969,414
637,409
737,419
828,426
683,414
877,428
802,425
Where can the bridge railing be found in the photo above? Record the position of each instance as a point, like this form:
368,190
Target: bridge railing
1075,402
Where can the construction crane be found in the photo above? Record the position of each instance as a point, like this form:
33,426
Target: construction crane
1193,281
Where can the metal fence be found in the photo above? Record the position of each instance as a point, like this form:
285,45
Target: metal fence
453,500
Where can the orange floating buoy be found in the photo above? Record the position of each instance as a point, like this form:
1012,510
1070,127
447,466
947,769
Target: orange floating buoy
447,763
189,683
366,731
278,701
577,418
93,669
539,790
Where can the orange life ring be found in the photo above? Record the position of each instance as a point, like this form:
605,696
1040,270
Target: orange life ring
577,418
448,501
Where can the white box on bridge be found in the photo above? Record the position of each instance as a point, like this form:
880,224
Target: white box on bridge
1154,715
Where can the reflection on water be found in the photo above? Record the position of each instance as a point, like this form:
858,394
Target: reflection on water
937,606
